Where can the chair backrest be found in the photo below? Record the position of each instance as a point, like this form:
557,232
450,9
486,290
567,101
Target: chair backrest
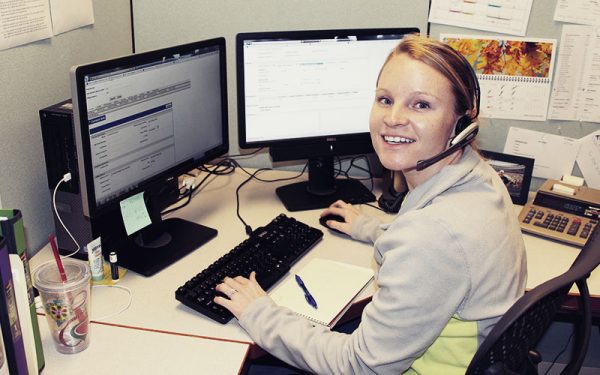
506,349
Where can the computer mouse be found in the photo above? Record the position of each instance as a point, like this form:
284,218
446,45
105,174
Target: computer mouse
323,221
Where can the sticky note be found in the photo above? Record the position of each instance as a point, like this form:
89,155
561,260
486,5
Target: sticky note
134,213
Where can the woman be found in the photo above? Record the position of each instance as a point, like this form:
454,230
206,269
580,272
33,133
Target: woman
449,264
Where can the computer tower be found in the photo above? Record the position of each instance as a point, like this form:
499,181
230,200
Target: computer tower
61,157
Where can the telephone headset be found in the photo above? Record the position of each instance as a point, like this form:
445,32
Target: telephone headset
466,129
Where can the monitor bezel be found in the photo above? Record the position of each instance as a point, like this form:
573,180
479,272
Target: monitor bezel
80,122
301,148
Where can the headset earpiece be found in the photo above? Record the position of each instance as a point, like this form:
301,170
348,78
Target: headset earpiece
466,120
462,124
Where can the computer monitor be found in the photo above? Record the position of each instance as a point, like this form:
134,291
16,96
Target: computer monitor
140,122
307,95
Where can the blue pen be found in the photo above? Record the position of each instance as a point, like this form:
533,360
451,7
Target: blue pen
309,298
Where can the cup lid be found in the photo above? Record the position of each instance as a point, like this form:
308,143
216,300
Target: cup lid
47,277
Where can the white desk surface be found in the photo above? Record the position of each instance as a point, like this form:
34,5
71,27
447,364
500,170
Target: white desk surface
154,305
117,350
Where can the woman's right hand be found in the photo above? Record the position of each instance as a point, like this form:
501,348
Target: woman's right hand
345,210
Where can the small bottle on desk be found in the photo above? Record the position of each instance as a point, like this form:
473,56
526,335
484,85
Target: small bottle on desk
114,267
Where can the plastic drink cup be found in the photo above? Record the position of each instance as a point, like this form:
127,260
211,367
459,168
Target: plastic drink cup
66,303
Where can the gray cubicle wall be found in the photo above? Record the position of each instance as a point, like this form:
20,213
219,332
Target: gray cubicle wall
35,76
494,131
158,23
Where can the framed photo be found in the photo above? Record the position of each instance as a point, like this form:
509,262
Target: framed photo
514,171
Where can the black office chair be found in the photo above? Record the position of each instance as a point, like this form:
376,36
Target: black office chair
510,346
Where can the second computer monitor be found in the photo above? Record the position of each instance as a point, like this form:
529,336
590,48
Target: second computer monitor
307,95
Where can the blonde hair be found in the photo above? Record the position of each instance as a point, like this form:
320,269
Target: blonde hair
449,63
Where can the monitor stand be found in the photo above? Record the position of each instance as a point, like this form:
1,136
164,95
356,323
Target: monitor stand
322,188
162,244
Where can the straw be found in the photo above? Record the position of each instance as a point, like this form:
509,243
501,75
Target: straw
63,276
61,269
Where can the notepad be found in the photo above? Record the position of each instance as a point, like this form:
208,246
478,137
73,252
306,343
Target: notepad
334,285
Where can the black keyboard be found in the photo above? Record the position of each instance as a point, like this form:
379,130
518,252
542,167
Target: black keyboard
270,251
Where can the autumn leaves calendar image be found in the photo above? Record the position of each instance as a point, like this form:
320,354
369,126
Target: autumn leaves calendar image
515,74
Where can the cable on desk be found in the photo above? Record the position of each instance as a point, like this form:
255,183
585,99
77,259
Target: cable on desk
560,353
228,165
224,167
123,309
248,228
39,307
188,193
352,164
66,178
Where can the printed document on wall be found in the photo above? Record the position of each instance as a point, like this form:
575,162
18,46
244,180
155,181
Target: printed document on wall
515,74
501,16
588,159
554,154
586,12
24,21
71,14
576,87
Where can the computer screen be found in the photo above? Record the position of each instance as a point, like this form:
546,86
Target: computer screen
140,122
307,95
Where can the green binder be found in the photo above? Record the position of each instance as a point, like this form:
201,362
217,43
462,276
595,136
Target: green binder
11,227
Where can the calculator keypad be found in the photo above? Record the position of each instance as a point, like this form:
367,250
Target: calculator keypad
556,225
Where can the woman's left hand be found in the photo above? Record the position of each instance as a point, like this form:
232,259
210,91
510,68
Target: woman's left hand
241,292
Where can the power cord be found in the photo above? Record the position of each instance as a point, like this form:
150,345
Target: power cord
352,164
248,228
123,309
228,165
223,167
66,178
40,306
560,353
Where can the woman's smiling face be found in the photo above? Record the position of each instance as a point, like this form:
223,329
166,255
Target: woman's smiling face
413,116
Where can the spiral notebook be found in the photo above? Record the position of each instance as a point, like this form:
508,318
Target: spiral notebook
334,285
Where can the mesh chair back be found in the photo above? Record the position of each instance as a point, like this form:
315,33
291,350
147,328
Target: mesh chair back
511,349
506,349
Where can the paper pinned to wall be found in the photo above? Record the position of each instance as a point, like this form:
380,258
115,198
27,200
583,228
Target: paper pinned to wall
588,159
502,16
71,14
554,154
515,74
24,21
586,12
576,86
